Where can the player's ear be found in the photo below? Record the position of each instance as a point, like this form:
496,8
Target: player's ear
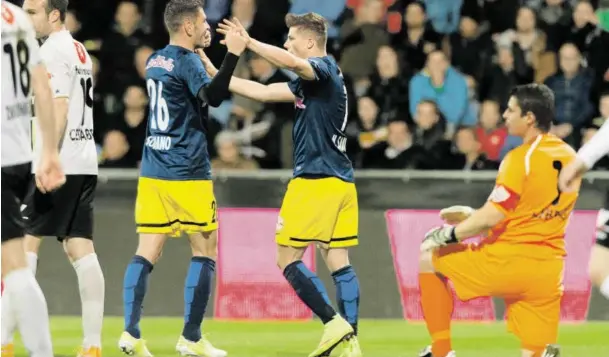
54,16
310,44
189,27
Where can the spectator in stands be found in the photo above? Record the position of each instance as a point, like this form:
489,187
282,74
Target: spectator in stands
504,75
443,85
473,104
398,152
571,88
118,49
141,57
417,39
500,15
470,156
444,15
529,44
389,84
330,10
490,133
73,25
430,133
229,156
365,35
554,20
469,48
369,130
127,131
583,25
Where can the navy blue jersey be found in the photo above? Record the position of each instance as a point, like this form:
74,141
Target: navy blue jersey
321,117
176,146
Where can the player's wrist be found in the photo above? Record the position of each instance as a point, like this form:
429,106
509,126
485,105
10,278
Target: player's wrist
453,236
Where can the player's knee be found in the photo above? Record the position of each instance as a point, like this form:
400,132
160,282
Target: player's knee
13,256
204,244
77,248
336,258
425,262
150,246
31,243
288,255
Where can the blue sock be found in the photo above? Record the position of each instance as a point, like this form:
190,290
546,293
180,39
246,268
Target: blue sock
347,294
197,290
134,290
310,290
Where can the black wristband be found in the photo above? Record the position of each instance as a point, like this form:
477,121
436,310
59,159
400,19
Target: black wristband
453,237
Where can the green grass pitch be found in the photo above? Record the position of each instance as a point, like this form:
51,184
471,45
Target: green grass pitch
379,338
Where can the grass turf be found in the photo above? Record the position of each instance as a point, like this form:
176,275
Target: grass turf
378,338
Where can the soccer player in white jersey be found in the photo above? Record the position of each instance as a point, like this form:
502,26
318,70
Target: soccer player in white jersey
67,213
23,71
587,156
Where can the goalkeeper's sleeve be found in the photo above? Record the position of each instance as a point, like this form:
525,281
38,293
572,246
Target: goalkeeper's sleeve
596,148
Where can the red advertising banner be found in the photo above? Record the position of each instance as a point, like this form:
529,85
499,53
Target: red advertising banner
406,229
249,283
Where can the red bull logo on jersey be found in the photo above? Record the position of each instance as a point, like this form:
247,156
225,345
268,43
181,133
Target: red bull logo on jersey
299,103
161,62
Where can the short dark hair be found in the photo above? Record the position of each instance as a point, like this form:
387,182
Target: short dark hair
177,10
59,5
310,21
537,99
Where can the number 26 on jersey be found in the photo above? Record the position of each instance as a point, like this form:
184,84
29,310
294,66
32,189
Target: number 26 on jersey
159,113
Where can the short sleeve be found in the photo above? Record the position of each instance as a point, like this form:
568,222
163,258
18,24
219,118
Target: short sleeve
295,85
509,183
194,73
60,75
321,68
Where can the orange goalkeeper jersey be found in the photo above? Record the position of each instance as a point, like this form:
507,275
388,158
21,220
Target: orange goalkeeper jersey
526,190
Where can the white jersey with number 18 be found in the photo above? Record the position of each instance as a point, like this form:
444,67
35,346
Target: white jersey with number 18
20,53
71,75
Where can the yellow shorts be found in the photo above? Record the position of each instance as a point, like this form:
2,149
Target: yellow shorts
175,207
320,211
532,288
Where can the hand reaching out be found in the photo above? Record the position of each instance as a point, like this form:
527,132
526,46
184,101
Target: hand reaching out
209,67
235,42
227,25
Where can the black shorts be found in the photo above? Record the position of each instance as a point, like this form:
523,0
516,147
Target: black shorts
602,224
64,213
15,182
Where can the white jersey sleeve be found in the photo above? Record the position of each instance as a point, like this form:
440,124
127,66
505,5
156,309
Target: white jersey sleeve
21,54
597,147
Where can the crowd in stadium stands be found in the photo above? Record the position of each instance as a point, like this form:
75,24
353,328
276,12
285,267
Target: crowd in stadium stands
427,80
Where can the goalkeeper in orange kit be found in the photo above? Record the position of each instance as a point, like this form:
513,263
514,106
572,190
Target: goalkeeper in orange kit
522,257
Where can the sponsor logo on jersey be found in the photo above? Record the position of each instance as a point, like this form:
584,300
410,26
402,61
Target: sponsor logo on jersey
7,14
80,51
299,103
81,134
161,62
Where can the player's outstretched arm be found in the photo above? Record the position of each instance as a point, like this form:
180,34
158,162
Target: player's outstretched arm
277,56
276,92
587,156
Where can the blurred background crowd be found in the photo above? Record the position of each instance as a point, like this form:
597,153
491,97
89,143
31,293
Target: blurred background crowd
427,80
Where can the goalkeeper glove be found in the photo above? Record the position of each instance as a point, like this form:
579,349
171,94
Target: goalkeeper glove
438,237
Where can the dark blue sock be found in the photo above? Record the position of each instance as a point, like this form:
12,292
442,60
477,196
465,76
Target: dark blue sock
134,290
347,294
310,290
197,290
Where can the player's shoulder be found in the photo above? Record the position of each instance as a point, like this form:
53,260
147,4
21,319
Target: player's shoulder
325,62
61,46
14,19
172,59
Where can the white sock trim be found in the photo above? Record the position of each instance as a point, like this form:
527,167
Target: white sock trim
85,262
605,287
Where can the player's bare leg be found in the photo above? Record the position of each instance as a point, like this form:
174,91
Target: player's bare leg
599,268
311,291
347,292
135,284
28,303
197,291
437,304
91,284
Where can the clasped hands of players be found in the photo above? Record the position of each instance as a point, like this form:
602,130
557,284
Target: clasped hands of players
441,236
236,40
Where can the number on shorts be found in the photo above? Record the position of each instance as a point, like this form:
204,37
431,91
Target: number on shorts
214,209
159,112
557,165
